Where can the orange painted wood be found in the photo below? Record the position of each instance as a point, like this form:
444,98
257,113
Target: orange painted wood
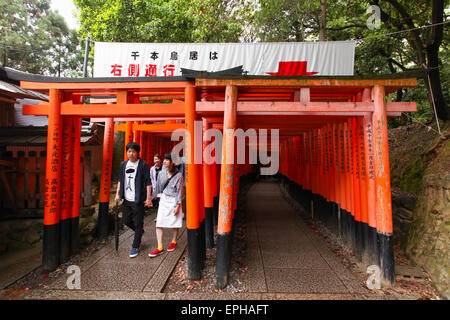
297,106
116,110
341,174
128,138
382,173
158,127
297,165
329,174
66,169
362,169
105,180
370,170
227,167
335,146
105,85
316,82
118,127
53,165
356,178
136,136
194,172
159,93
207,170
308,146
348,169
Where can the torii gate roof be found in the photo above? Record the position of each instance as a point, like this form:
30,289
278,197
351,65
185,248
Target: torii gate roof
302,102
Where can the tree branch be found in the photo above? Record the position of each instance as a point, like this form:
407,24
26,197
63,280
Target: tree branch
415,35
347,27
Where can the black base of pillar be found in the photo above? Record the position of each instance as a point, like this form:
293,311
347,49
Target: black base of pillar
209,228
74,235
372,248
385,245
202,245
351,225
345,232
64,240
223,258
103,219
365,243
194,254
359,239
334,220
216,210
50,248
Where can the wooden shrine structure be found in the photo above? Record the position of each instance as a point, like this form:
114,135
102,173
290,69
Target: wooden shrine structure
333,145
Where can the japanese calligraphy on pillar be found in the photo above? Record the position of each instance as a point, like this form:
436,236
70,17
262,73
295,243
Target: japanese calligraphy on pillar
378,128
342,149
106,166
227,212
66,169
72,152
361,152
370,150
350,148
52,179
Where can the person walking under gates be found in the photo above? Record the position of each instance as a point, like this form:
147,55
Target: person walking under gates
135,188
170,213
154,172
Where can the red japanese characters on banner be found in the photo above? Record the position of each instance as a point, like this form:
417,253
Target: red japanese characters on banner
116,70
133,70
168,70
150,70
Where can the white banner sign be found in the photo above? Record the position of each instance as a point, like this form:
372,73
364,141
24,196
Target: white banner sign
329,58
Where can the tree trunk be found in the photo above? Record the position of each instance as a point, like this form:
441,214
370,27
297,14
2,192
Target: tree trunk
323,21
435,91
428,53
432,50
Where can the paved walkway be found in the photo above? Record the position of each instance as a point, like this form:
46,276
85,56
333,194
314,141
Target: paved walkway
286,260
286,255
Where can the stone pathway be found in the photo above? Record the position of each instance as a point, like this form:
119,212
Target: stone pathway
286,260
286,256
108,273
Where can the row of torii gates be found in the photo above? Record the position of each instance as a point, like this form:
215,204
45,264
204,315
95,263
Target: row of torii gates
333,145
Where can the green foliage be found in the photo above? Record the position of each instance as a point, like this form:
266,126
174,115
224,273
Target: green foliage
161,20
388,49
37,40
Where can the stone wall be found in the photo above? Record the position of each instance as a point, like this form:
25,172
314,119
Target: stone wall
403,205
21,234
429,236
420,164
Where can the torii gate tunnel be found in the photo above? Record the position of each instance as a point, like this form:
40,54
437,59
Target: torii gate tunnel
333,146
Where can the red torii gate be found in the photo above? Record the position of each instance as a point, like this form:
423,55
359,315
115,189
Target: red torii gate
335,126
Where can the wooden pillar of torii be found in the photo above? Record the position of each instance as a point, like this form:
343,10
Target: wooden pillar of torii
383,186
62,185
194,191
227,181
50,246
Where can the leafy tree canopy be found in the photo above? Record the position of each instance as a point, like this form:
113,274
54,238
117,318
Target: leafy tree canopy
35,39
161,20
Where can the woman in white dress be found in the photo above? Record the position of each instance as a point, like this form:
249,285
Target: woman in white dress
170,213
